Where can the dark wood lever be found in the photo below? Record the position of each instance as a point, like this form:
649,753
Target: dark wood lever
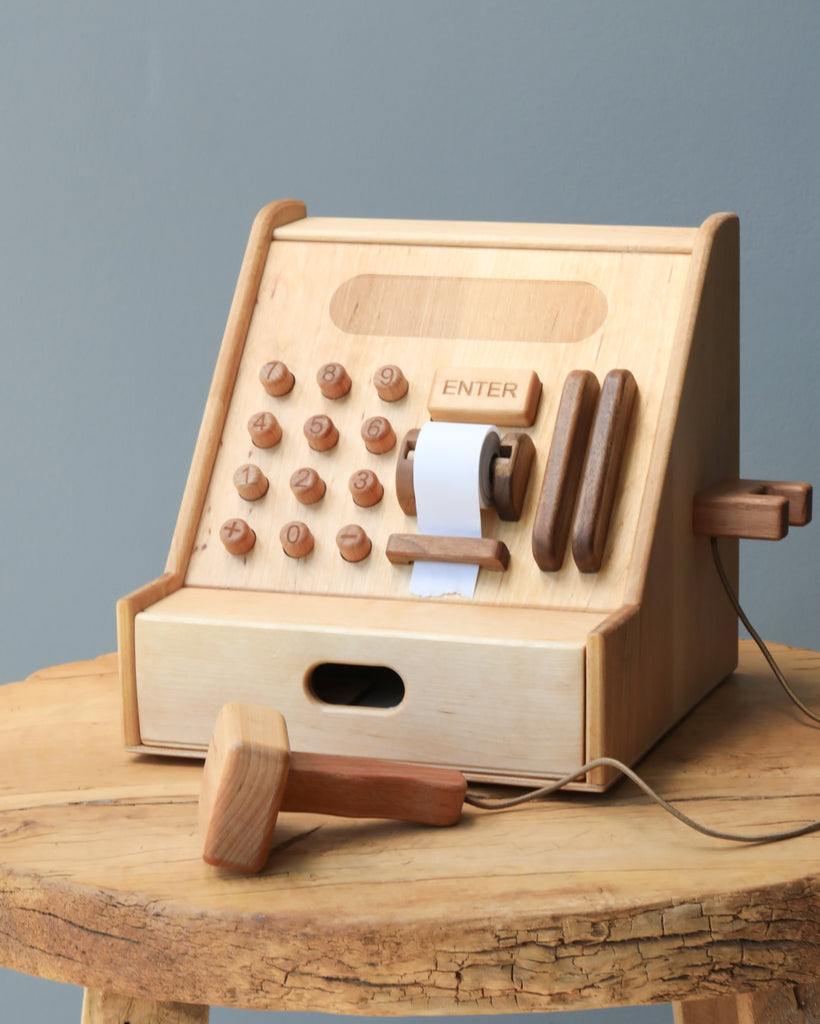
751,509
562,474
404,548
602,469
251,775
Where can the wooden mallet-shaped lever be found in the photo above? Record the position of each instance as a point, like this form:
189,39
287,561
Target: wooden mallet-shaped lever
251,774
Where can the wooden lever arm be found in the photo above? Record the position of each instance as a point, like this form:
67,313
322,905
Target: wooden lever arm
752,509
355,787
404,548
251,775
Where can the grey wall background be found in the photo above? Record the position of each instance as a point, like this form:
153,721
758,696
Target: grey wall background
138,140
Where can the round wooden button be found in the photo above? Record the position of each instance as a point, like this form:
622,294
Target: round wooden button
237,536
390,383
378,435
307,485
365,487
297,540
264,430
353,543
320,432
334,380
276,378
251,482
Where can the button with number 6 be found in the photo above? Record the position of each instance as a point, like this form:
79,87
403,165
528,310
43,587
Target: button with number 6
378,435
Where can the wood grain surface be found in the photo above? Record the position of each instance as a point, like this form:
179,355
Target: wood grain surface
583,901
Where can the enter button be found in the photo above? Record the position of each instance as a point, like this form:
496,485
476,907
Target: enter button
503,397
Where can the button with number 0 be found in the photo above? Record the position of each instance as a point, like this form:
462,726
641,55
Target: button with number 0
296,539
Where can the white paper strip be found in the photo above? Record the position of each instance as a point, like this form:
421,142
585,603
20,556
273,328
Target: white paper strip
451,480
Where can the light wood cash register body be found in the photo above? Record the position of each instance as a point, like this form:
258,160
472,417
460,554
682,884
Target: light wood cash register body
597,619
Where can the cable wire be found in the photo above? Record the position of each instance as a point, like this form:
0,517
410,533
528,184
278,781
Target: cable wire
501,803
764,650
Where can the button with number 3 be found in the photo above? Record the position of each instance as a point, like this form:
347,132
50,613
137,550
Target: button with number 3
365,487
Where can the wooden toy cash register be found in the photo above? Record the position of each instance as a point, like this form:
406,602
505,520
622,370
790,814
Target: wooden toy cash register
399,407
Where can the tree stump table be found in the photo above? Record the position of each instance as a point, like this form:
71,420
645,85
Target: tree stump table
580,901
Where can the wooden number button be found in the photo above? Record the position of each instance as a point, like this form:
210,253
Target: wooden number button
251,482
276,378
237,536
320,432
296,539
378,435
307,485
366,488
264,430
333,380
390,383
353,543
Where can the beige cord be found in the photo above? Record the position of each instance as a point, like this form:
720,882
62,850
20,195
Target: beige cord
496,804
767,654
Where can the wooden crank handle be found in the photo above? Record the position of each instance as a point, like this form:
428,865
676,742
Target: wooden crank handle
356,787
251,774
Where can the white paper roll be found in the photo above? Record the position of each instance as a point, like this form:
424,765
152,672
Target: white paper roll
451,480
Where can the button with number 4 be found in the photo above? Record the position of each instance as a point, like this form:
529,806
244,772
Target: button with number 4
264,430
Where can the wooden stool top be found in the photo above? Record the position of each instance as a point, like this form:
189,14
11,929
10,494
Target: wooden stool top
582,901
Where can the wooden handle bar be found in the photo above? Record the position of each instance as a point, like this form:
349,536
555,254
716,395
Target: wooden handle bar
356,787
751,509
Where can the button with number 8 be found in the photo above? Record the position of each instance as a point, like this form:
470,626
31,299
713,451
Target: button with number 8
333,380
